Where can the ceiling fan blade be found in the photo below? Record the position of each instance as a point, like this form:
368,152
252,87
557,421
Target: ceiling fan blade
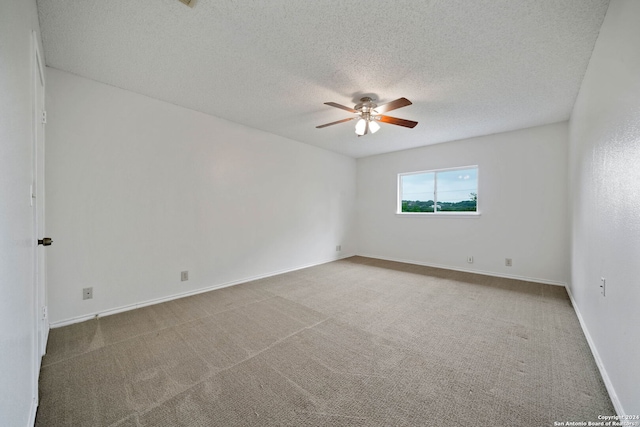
335,123
398,103
349,109
396,121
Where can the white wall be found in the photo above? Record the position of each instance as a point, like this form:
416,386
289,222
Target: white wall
605,207
522,200
139,190
17,317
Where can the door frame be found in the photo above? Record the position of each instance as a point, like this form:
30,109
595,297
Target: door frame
40,315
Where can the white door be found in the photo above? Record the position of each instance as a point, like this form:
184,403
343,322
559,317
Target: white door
37,197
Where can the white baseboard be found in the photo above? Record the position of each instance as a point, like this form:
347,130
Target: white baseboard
466,270
128,307
33,411
596,356
46,339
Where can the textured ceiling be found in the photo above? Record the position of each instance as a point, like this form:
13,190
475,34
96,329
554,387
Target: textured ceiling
470,67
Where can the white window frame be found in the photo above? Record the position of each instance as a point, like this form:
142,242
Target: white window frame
435,194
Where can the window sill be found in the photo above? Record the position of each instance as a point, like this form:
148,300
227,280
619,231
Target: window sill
439,214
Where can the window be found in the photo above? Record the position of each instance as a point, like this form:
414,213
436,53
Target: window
448,191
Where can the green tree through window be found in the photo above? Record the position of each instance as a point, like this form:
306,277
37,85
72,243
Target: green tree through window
447,190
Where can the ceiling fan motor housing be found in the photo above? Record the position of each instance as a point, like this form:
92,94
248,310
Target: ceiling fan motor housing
366,105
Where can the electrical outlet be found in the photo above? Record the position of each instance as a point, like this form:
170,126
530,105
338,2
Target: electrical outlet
603,286
87,293
508,262
184,276
338,248
470,259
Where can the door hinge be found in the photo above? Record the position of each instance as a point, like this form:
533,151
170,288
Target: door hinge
44,117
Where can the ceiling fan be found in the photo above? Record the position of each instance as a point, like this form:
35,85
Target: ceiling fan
369,113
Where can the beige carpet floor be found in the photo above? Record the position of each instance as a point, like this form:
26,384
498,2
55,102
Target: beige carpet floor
356,342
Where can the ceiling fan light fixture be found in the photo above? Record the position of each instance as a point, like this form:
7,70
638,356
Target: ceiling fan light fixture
369,114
